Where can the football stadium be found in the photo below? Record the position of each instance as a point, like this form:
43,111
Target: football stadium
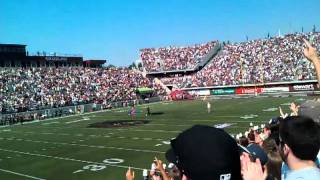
210,109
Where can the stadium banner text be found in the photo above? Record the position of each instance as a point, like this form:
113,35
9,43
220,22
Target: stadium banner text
200,92
222,91
303,87
250,90
275,89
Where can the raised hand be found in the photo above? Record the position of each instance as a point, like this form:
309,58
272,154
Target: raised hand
294,109
252,170
159,164
130,174
310,52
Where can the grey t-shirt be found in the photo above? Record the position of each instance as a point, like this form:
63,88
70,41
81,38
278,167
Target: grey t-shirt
311,173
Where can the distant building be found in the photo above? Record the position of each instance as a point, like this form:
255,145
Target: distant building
94,63
15,55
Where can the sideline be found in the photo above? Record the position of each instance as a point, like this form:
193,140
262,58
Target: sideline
83,114
69,159
20,174
82,145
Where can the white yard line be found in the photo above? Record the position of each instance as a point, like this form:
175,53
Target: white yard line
82,145
68,159
227,121
20,174
55,122
87,135
182,125
149,130
75,121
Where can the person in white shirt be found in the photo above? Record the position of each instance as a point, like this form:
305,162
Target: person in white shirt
209,107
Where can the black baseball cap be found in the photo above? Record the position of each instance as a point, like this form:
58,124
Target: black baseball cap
257,152
205,153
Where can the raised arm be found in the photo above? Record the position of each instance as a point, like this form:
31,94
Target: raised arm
311,54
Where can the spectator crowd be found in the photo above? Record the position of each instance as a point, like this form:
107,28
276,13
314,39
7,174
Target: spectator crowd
258,61
287,148
174,58
38,88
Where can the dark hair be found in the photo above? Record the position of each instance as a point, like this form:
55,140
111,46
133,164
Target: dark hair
243,141
275,133
251,136
302,135
274,159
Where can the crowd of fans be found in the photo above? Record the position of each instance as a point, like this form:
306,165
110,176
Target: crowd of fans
174,58
258,61
287,148
38,88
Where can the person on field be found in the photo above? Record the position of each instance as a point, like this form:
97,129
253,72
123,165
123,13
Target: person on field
132,112
209,107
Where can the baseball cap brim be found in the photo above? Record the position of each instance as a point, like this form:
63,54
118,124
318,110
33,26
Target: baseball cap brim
170,156
243,149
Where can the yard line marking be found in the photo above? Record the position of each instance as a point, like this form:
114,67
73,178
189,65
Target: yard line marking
48,123
85,145
88,135
77,171
75,121
20,174
183,125
149,130
227,121
47,133
69,159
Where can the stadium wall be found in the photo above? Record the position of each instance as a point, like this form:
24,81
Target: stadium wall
254,89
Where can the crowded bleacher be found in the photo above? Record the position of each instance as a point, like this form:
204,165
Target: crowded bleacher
27,89
174,58
287,147
258,61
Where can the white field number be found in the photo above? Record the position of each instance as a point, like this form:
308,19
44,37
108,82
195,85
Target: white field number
96,167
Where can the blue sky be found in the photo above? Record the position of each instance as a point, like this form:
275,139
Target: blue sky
116,29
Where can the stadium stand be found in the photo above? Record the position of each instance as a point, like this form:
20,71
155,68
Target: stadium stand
39,88
276,59
174,58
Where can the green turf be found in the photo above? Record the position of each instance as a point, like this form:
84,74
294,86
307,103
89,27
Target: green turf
56,149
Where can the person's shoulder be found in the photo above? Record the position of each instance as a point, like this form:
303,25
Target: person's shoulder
309,173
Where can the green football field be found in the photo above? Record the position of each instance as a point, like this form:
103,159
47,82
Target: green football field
67,149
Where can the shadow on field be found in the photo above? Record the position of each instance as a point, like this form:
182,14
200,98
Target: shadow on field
156,113
118,123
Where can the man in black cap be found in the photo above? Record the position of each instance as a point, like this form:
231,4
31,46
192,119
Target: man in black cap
205,153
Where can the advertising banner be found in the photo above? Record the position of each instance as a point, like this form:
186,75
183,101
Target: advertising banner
275,89
205,92
303,87
222,91
250,90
